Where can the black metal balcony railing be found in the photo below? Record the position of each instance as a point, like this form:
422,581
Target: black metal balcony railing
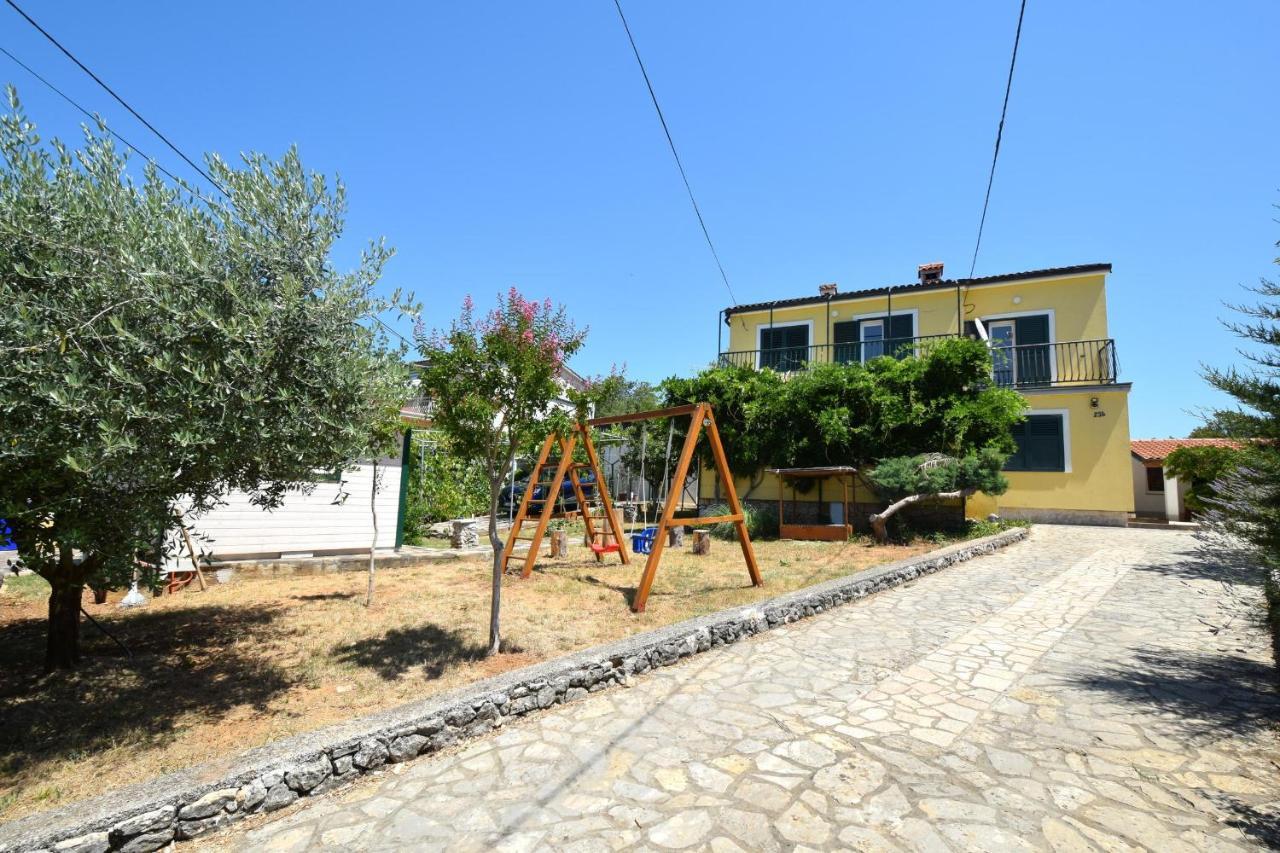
1024,366
786,359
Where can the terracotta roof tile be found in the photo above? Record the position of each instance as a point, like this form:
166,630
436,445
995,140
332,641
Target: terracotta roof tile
1156,449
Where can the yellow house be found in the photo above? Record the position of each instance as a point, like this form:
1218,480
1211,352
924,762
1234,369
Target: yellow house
1047,330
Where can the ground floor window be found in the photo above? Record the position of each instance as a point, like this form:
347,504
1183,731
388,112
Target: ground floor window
1041,442
1155,479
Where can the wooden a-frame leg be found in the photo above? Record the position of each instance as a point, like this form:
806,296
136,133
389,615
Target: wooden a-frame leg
660,540
549,504
602,489
523,512
735,507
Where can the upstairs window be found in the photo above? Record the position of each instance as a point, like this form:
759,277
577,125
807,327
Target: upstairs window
863,340
784,348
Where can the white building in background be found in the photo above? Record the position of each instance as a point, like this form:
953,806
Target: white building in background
1156,495
335,517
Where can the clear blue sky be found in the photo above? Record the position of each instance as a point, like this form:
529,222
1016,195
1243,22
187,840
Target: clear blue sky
500,143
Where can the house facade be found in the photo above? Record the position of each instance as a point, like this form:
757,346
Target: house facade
1047,330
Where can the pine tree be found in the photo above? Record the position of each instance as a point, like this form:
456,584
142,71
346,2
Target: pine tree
1246,510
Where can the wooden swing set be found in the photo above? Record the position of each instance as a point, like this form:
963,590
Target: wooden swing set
605,533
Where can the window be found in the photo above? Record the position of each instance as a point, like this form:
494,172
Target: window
1021,350
1041,441
872,339
863,340
784,347
1155,479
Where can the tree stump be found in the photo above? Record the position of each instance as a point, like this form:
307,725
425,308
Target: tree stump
559,543
675,536
702,542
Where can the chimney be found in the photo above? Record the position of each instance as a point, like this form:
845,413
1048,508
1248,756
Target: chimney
828,289
930,272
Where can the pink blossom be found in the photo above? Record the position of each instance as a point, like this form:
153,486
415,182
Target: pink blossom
468,303
528,336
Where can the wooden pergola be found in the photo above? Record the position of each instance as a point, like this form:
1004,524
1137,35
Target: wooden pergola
819,532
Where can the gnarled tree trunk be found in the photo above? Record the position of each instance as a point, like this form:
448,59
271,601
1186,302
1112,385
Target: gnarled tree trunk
880,520
66,582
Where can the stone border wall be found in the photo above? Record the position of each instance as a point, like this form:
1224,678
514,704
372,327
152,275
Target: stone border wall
201,799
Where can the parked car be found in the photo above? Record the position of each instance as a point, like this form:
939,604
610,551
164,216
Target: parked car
511,496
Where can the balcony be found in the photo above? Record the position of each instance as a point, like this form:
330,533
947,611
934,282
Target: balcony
1064,363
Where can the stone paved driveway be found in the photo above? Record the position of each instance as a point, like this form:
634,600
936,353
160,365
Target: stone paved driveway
1089,689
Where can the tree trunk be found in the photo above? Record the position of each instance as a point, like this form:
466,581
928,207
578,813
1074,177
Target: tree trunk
373,546
879,520
495,605
62,646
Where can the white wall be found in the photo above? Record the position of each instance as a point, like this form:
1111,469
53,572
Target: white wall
1149,504
307,523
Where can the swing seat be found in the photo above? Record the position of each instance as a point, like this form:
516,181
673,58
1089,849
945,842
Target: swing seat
642,542
600,550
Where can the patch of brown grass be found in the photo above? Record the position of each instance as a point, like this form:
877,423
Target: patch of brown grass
248,662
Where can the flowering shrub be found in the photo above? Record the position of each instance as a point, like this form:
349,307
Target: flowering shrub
493,381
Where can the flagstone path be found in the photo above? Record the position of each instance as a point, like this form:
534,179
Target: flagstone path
1089,689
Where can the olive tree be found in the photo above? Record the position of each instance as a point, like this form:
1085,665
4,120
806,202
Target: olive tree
160,349
492,381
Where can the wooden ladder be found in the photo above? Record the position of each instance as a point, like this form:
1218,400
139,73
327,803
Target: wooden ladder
552,498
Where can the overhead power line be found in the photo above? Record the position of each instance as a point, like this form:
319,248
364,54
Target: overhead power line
671,142
112,93
126,143
1004,110
150,127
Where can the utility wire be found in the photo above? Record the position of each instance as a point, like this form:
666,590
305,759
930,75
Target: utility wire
1017,36
96,119
178,181
149,126
112,93
671,142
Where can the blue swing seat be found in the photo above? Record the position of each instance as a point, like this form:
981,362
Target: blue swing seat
642,542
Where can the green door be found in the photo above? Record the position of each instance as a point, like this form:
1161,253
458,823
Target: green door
1034,354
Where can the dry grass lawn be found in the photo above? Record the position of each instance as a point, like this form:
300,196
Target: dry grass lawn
245,663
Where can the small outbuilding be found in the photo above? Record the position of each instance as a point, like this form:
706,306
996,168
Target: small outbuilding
839,529
1156,495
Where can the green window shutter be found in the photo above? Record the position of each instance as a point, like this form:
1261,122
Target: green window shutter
845,337
1035,365
846,332
1040,445
901,328
784,347
1032,330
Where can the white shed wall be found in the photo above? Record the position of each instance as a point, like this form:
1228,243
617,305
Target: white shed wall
1145,503
307,523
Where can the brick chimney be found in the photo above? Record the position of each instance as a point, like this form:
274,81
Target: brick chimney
930,272
828,289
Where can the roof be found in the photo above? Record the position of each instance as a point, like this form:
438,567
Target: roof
827,471
944,284
1156,449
